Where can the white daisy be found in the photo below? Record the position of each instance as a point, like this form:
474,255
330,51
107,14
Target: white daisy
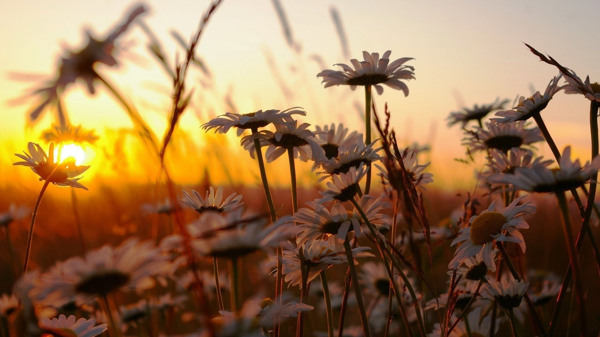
71,326
65,173
133,265
14,213
490,226
476,113
541,179
352,156
416,172
508,292
373,70
252,120
335,140
212,201
8,304
273,311
479,325
506,163
527,107
344,186
316,221
502,136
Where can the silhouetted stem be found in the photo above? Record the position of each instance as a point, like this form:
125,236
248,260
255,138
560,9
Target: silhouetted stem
368,100
327,299
218,285
32,224
356,285
235,284
293,180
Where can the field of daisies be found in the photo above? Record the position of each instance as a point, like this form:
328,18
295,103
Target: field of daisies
365,250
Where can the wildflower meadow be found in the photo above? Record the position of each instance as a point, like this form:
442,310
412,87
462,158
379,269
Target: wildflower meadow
343,234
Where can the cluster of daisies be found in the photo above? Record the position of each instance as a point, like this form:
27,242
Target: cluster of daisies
347,263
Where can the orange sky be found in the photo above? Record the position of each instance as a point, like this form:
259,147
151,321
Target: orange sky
465,53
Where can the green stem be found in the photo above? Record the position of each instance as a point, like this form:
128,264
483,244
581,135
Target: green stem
356,285
113,328
32,224
344,305
562,202
235,285
542,126
327,299
368,100
263,174
466,309
304,269
218,285
468,327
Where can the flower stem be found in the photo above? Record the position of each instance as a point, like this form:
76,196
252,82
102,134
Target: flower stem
356,286
77,220
327,299
513,323
304,270
218,285
562,202
113,327
534,314
368,100
32,224
235,284
263,174
293,180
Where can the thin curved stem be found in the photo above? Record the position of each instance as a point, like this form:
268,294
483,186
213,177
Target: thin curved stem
293,180
356,285
235,284
32,224
218,285
263,175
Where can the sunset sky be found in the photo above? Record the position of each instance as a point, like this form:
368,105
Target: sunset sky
466,52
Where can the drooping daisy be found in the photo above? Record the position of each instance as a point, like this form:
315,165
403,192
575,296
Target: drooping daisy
476,113
132,265
278,311
541,179
71,326
508,292
502,136
317,221
528,107
488,227
287,137
373,70
66,173
252,120
335,140
212,201
344,186
479,325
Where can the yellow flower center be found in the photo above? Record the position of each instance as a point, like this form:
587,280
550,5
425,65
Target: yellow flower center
486,225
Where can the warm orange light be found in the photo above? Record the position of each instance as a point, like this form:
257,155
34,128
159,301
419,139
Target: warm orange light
72,150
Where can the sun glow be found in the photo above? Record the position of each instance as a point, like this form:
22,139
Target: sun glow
72,150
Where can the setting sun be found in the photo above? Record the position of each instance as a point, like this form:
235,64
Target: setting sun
75,151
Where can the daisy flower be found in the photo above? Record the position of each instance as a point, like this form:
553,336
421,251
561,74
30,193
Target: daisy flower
316,221
528,107
66,133
415,171
161,207
508,292
488,227
476,113
81,65
479,324
344,186
502,136
353,156
273,311
574,84
212,201
14,213
71,326
288,136
375,280
252,120
507,162
335,140
374,208
45,166
373,70
243,237
131,266
8,304
318,255
541,179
